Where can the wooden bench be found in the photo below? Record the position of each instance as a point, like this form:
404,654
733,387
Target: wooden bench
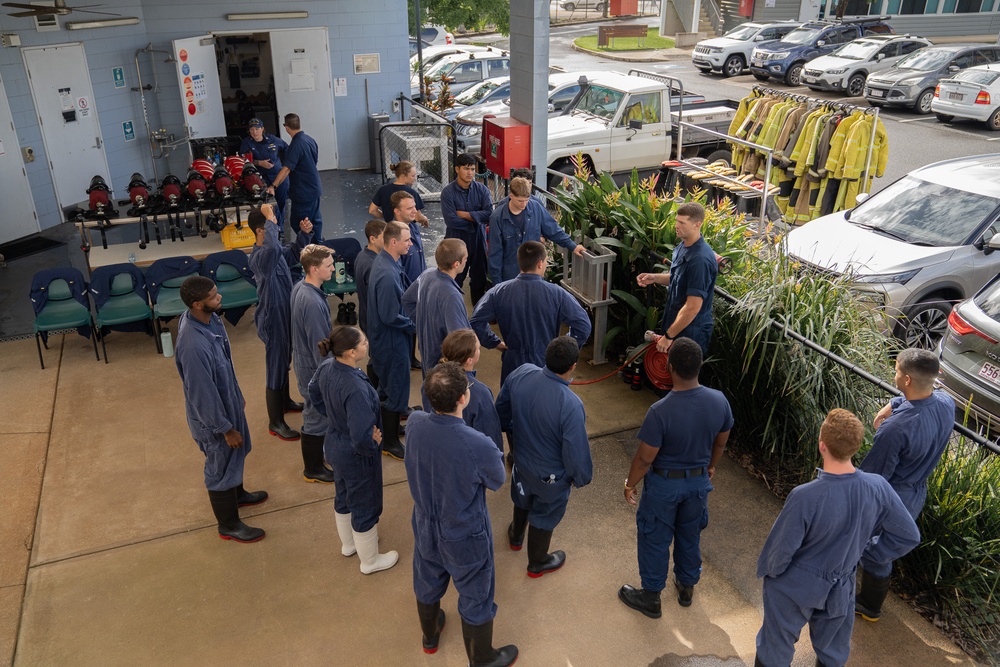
607,33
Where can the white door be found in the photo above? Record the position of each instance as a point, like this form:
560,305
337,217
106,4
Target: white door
303,85
19,217
67,112
201,96
645,147
809,9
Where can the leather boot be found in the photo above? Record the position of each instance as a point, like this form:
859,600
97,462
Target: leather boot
276,416
431,624
643,601
225,505
684,594
391,446
346,533
868,603
371,560
352,314
540,561
479,647
290,405
312,458
247,498
515,531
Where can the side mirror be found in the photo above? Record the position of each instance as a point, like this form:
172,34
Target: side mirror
821,42
990,242
879,57
551,107
758,38
635,125
861,198
953,68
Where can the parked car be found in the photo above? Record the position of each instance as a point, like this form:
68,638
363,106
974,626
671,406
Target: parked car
973,94
784,59
483,93
730,54
915,248
436,34
413,46
970,356
433,54
463,70
847,68
587,5
911,82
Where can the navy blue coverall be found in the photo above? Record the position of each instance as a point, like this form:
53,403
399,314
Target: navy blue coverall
529,312
304,188
436,304
345,398
553,453
907,448
212,399
389,332
269,264
692,273
475,201
480,413
509,231
414,262
310,324
449,466
267,149
809,560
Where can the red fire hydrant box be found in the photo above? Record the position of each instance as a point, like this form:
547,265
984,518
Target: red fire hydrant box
506,145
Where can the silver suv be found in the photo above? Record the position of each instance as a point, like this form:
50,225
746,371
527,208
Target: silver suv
916,248
730,54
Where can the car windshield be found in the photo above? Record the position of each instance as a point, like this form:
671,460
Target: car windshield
743,32
925,60
473,94
857,50
981,76
989,300
924,213
439,70
600,101
801,36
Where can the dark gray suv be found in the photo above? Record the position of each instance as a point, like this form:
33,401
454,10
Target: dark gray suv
911,81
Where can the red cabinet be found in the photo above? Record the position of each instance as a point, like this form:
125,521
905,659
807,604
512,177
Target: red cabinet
506,145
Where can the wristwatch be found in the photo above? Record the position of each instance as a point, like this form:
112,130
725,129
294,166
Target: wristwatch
668,336
627,487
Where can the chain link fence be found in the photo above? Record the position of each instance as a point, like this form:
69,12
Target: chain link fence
428,141
588,10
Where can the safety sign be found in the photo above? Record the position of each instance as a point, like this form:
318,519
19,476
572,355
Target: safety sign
118,74
128,129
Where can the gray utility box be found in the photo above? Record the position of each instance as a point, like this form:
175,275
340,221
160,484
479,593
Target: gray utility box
376,121
588,278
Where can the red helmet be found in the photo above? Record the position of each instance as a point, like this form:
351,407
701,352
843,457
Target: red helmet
234,165
203,167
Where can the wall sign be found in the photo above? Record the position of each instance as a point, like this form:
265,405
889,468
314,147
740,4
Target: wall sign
367,63
118,74
128,129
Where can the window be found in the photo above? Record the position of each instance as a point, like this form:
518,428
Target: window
781,32
563,97
912,6
644,107
768,34
962,61
910,47
467,72
986,56
500,67
889,51
967,6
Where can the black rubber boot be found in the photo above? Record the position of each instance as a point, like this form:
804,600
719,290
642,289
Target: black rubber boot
247,498
276,416
540,561
643,601
391,446
515,531
479,647
314,469
225,505
290,405
868,603
431,624
352,314
684,594
757,662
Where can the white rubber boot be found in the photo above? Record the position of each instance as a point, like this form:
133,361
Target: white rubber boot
346,534
371,560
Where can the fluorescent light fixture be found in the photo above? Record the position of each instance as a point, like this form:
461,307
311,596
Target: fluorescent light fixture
102,23
265,16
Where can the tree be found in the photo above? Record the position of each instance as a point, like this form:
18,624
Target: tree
473,15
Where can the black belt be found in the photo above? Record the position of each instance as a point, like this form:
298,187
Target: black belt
679,474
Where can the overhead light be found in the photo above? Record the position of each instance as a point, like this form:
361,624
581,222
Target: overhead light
267,16
103,23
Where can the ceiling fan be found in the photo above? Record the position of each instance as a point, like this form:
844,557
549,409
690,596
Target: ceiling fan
57,8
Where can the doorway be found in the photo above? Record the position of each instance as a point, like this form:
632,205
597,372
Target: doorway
19,218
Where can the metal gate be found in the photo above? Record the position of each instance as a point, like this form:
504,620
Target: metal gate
428,141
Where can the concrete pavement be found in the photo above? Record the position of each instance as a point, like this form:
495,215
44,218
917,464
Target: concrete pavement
109,553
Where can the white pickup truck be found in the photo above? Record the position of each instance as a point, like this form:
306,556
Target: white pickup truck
621,122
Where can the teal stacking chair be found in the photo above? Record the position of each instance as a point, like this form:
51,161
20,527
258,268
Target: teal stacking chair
59,299
121,301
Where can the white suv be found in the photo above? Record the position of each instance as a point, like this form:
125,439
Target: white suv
464,70
847,68
730,54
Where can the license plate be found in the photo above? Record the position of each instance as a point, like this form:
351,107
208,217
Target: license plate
809,79
876,93
990,372
757,63
956,96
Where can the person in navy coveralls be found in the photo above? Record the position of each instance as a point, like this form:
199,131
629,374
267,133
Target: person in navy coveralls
215,406
348,402
552,451
301,170
449,467
466,206
911,434
265,152
680,443
810,557
690,282
362,271
436,303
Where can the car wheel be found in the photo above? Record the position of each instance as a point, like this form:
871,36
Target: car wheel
570,185
994,122
856,85
925,324
794,75
944,118
569,7
923,103
761,77
721,154
733,66
599,7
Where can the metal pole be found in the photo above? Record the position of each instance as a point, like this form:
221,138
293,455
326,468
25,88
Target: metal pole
866,184
420,51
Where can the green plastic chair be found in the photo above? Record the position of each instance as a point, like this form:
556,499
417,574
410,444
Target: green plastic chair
124,306
236,290
168,303
62,311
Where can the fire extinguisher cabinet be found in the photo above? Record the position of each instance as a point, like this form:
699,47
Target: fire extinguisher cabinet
623,8
506,145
